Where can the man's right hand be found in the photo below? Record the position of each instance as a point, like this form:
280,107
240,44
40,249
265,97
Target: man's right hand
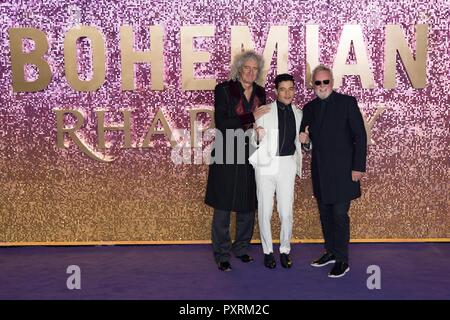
262,110
304,136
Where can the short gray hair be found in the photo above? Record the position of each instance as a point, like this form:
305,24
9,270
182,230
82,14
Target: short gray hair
239,61
321,67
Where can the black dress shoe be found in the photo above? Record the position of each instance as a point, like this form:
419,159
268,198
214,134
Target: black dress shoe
339,270
245,258
327,258
224,266
269,261
286,261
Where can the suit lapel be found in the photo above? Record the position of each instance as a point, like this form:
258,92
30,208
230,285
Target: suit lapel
326,113
273,127
298,118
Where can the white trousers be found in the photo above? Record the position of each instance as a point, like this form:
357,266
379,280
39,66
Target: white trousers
277,178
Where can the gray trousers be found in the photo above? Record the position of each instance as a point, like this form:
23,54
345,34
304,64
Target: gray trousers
220,234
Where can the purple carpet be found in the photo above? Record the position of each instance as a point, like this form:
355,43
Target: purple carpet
187,272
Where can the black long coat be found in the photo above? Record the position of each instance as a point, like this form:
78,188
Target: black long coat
339,145
232,187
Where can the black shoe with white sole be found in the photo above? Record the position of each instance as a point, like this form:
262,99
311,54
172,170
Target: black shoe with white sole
339,270
224,266
327,258
245,258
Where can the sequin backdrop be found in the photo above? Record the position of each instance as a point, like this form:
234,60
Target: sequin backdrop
50,194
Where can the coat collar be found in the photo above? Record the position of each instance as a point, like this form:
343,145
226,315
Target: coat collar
236,89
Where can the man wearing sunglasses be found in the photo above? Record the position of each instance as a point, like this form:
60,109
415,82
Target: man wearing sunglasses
333,124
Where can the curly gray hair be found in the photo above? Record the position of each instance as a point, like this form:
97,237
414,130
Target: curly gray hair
239,61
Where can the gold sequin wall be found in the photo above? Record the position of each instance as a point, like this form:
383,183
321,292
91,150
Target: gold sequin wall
90,91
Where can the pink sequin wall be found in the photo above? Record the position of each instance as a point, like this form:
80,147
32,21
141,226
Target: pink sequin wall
51,194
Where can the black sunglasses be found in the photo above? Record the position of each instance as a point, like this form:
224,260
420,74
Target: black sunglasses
318,82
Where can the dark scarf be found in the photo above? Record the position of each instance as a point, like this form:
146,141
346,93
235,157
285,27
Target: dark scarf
236,92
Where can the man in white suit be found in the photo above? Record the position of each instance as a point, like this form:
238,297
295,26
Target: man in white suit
277,160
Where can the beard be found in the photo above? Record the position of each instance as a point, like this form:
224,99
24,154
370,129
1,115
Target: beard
323,95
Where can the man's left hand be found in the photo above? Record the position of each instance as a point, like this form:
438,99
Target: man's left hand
356,175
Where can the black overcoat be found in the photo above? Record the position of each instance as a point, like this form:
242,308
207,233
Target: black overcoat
232,187
339,145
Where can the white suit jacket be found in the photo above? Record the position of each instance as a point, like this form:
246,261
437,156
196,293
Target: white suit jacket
268,147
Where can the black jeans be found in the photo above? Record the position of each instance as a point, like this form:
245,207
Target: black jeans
336,228
220,234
